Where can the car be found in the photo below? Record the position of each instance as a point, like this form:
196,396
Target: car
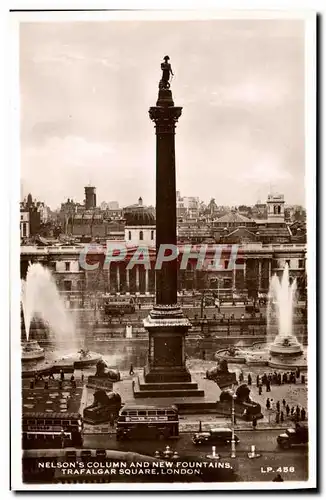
214,436
100,453
250,308
293,437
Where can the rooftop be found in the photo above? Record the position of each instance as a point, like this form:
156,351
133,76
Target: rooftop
233,217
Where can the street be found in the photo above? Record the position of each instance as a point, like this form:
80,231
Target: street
292,464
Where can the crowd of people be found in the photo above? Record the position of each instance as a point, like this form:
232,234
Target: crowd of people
276,378
46,379
283,411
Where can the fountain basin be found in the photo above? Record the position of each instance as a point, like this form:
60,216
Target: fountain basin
261,354
83,359
31,351
286,346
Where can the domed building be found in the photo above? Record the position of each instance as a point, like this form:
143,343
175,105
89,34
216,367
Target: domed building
139,225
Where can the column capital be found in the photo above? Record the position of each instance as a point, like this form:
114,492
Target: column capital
165,118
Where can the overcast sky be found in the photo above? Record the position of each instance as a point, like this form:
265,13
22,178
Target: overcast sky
86,89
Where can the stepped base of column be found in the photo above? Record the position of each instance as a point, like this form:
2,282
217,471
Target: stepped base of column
142,389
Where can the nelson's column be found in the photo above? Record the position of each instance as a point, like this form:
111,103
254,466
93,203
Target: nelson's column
165,373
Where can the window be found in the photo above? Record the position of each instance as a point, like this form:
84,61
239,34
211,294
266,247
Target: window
142,413
67,286
226,264
67,266
301,263
288,262
129,235
152,235
141,235
24,229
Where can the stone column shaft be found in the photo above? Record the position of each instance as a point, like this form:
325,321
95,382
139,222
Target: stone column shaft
127,280
165,116
146,280
259,275
137,278
118,278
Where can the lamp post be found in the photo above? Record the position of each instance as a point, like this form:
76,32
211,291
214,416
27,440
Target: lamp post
233,454
202,305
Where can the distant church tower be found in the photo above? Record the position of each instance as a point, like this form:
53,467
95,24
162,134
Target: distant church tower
275,208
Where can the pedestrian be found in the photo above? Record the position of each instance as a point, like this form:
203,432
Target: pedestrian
278,479
268,404
277,418
32,383
82,376
297,412
62,374
203,355
254,423
131,371
292,410
278,406
298,372
249,379
279,379
303,414
268,386
260,389
200,426
287,409
72,378
282,416
284,402
285,378
257,380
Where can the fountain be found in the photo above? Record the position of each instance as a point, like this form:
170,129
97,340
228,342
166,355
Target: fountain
31,351
285,351
281,299
41,299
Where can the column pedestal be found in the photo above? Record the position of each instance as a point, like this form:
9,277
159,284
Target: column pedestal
166,328
166,374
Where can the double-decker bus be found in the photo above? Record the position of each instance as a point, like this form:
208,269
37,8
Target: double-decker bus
147,422
118,306
52,430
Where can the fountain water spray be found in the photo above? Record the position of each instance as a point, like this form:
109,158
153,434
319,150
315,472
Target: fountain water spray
281,301
41,299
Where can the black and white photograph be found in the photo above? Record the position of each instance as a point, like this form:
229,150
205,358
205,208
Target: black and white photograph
166,172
